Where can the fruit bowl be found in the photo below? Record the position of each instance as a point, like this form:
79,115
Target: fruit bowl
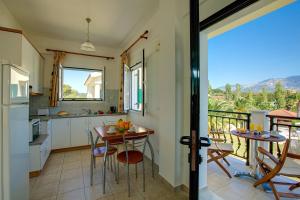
123,126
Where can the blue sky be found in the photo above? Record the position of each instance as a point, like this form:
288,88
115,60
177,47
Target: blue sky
268,47
76,79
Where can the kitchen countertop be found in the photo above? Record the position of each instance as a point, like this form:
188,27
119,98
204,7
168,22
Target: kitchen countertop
46,118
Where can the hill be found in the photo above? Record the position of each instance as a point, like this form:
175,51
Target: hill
291,83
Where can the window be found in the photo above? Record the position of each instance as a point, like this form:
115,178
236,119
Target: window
133,87
81,84
137,88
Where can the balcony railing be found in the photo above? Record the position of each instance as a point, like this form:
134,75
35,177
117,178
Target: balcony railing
290,126
221,123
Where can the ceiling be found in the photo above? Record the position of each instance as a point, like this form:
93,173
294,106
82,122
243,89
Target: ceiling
112,20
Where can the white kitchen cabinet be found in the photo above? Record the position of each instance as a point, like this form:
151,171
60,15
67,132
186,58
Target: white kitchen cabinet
61,133
34,81
46,128
16,49
72,132
41,75
79,128
27,52
39,152
10,48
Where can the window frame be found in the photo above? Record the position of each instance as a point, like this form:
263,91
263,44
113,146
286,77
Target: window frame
61,82
132,68
128,69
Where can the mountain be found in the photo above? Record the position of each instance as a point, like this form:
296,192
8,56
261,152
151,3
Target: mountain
291,82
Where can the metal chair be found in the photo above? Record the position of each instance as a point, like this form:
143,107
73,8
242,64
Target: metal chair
98,151
133,155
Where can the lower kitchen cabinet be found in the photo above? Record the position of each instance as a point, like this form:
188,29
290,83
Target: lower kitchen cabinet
61,133
39,152
72,132
79,127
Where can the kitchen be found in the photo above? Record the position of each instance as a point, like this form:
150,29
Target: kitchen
86,95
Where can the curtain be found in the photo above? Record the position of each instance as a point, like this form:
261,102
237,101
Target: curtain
124,61
58,59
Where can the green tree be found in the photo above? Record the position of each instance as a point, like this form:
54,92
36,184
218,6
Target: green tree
214,104
241,105
210,90
228,92
279,96
237,91
69,92
262,101
250,98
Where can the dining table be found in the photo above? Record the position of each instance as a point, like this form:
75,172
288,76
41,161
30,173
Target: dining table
110,134
264,136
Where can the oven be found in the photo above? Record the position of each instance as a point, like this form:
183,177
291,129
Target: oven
34,131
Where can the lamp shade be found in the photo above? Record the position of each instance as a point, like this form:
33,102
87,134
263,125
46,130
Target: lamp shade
87,46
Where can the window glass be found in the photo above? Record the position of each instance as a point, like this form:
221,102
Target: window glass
81,84
137,89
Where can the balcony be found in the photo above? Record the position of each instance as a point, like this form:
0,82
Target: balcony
220,124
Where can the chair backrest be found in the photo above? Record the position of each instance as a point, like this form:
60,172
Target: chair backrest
283,157
137,141
285,151
91,139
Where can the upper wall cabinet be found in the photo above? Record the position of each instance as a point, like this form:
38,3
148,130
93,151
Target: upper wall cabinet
16,49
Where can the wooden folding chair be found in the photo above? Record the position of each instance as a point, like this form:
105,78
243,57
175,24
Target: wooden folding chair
292,173
219,150
269,172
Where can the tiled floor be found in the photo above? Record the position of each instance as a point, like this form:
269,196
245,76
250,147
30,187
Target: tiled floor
237,188
66,176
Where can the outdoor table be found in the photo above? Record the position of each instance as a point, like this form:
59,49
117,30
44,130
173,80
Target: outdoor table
107,137
256,138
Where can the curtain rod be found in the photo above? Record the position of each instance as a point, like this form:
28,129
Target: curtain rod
143,36
81,54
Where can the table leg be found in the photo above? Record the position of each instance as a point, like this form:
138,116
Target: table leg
251,174
152,156
104,167
255,174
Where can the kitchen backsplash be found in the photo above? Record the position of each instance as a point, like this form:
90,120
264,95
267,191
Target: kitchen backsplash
36,102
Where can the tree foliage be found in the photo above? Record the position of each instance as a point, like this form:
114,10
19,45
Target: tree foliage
246,101
69,92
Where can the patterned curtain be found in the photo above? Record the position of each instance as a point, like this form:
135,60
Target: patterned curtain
124,61
58,59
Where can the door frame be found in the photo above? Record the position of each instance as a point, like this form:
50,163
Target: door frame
194,139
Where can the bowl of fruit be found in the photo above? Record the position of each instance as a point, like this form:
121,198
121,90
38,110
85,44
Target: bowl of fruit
123,126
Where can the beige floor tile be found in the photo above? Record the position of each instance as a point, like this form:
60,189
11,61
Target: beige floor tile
73,195
49,178
52,170
67,176
96,192
71,174
41,192
70,184
71,165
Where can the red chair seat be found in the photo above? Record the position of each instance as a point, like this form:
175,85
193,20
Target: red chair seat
100,151
134,157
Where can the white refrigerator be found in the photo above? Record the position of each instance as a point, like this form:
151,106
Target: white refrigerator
14,144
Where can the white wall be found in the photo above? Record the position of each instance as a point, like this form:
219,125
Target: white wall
111,66
6,18
164,85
